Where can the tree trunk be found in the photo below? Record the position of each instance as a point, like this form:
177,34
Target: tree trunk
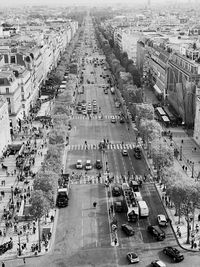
39,241
188,232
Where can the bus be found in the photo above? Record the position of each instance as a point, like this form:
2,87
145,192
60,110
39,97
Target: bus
143,208
160,111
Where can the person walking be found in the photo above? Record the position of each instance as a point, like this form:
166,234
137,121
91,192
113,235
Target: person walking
24,260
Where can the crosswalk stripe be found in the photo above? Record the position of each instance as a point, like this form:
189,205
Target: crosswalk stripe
96,146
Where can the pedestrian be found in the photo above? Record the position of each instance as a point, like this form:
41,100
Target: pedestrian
183,167
195,149
115,241
197,228
182,141
3,264
24,260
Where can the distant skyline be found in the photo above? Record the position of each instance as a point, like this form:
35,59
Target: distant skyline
88,2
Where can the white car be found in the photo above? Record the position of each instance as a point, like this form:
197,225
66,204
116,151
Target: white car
113,119
132,257
162,221
79,164
125,152
88,165
158,263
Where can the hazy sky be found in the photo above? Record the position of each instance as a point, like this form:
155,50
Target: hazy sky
83,2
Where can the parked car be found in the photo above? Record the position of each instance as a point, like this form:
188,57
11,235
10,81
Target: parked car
156,232
79,164
127,229
158,263
173,253
162,221
132,257
98,164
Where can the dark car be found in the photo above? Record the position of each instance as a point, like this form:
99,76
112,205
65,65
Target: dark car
116,191
127,229
156,232
98,164
173,253
122,120
137,153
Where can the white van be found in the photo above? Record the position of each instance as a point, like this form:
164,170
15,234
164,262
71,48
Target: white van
143,208
88,165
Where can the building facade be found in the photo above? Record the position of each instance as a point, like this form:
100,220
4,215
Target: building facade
5,135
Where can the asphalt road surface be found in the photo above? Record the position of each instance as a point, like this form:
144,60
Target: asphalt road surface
83,232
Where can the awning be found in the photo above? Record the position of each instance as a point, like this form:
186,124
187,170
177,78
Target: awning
157,89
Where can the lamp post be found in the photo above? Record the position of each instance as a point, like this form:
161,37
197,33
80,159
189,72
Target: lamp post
12,196
19,244
180,152
192,170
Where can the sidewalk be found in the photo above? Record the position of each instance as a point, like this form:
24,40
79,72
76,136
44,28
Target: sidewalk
189,156
24,234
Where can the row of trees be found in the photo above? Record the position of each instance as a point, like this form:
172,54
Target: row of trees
43,197
183,192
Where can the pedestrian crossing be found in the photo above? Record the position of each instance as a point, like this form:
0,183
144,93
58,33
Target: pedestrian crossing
116,146
95,180
95,117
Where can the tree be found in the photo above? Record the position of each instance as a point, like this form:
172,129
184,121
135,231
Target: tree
162,155
39,208
48,183
57,136
144,111
150,130
185,193
52,161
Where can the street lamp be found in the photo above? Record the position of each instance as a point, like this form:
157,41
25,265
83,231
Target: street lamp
12,196
19,244
180,152
192,170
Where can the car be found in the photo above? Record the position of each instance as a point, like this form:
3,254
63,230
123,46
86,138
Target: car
88,165
156,232
162,221
158,263
113,119
98,164
132,257
116,191
84,112
137,153
127,229
95,110
138,196
173,253
122,120
79,164
105,91
125,152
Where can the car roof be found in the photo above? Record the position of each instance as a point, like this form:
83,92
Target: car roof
161,263
88,161
162,216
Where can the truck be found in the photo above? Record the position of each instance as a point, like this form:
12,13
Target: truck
131,204
143,208
63,191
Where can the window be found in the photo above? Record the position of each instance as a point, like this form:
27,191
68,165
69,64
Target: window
12,59
7,90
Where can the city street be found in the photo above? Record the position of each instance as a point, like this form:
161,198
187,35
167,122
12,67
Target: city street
83,235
